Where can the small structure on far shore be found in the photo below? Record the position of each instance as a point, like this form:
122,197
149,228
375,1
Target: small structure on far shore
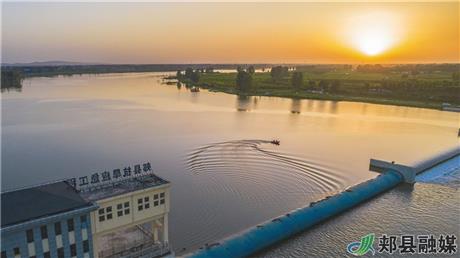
449,107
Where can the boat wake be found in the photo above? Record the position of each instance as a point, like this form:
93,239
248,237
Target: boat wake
243,182
248,161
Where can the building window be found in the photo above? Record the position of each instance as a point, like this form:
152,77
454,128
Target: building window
126,206
101,213
44,232
16,251
57,228
146,202
158,199
108,212
83,219
119,209
105,213
70,225
60,252
143,203
85,246
140,204
162,198
122,209
30,236
73,250
47,255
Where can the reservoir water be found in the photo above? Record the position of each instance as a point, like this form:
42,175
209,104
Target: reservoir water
215,149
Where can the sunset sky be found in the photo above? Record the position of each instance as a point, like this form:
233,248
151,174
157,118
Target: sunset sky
231,32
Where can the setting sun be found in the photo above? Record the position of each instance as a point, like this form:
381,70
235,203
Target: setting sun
373,33
373,43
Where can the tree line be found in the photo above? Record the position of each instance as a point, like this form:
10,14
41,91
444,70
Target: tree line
446,90
193,75
11,79
244,80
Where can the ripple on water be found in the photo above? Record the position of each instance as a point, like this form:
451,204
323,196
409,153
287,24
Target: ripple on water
256,175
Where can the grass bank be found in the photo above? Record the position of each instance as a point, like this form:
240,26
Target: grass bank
424,90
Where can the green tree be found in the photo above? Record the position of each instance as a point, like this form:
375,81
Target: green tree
251,69
367,86
324,85
195,77
311,85
188,73
297,79
179,74
456,76
243,80
335,86
278,72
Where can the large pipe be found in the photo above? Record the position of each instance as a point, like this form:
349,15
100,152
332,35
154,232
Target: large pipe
262,236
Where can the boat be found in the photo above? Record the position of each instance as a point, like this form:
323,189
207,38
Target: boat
275,142
195,89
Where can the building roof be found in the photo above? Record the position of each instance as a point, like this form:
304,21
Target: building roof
40,201
122,187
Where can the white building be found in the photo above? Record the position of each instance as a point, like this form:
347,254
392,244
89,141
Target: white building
131,219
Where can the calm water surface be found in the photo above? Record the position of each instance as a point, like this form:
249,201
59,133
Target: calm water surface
215,150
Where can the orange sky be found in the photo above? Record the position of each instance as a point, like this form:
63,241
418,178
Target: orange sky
231,32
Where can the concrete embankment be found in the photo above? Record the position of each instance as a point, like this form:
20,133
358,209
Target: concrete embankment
268,233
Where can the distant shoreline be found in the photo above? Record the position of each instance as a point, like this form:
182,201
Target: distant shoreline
351,89
436,106
225,82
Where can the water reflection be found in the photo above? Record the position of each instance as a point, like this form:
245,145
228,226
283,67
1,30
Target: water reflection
11,86
255,102
243,103
333,107
310,104
16,88
363,109
296,106
11,81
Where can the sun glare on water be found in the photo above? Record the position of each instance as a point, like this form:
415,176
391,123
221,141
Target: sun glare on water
373,33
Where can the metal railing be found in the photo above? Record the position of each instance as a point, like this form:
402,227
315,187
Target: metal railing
145,249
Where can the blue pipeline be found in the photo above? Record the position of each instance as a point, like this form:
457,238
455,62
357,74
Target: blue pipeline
262,236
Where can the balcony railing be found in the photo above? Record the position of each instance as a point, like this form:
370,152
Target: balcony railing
134,250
